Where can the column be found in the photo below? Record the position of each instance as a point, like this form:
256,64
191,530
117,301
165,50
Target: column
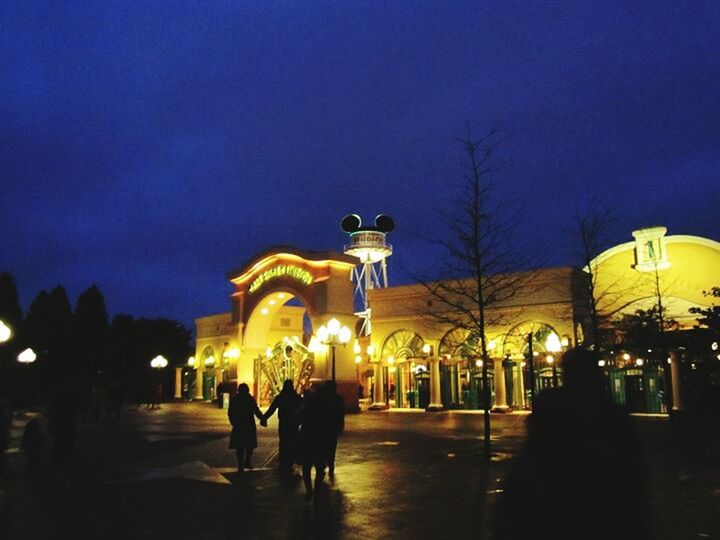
677,401
199,383
379,394
520,384
435,399
178,382
500,391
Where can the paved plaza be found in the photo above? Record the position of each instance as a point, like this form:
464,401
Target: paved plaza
168,473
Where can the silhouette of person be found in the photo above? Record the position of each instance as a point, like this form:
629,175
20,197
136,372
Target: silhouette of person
337,407
317,424
33,444
243,438
581,462
287,402
63,422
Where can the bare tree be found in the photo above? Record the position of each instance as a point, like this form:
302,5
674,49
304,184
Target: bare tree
481,266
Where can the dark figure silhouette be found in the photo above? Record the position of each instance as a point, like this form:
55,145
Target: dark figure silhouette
338,417
581,463
33,444
243,438
317,429
62,423
287,402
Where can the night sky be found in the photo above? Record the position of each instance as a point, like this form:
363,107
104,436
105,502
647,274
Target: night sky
150,147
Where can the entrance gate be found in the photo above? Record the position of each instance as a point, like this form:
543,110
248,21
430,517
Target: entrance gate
280,296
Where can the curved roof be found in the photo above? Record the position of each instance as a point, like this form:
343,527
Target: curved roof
674,239
304,254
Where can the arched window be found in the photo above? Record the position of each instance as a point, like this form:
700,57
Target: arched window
402,344
516,343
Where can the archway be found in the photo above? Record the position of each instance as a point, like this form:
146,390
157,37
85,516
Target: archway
280,296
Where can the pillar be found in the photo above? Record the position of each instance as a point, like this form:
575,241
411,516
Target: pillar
435,399
379,383
677,401
199,383
178,382
500,391
519,385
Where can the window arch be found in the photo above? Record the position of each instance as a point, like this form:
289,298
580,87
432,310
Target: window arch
515,344
402,344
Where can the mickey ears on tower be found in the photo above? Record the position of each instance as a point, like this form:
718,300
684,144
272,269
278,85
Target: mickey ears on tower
352,223
384,223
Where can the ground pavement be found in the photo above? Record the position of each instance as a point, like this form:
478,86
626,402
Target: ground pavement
168,473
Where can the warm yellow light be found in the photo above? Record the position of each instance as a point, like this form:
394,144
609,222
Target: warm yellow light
296,339
314,345
370,350
392,370
232,353
479,363
601,363
5,332
391,359
191,361
268,352
714,345
356,347
491,345
28,356
210,360
522,364
669,360
344,335
281,296
552,343
358,359
626,357
565,341
426,348
333,326
549,359
323,333
639,362
264,311
272,302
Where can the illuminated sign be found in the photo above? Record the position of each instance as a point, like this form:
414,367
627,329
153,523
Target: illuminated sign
295,272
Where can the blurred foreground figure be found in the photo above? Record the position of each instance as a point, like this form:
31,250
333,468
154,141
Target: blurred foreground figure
317,431
581,474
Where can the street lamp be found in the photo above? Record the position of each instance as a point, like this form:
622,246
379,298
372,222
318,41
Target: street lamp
553,345
5,332
334,334
159,362
28,356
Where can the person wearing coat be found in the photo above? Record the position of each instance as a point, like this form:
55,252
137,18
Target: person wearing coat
287,402
243,438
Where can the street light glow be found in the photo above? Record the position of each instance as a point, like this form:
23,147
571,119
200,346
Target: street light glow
552,343
28,356
5,332
191,361
159,362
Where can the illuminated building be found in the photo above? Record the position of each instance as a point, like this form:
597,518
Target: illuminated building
283,295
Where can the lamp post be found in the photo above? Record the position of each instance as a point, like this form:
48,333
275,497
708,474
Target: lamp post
334,334
554,346
27,356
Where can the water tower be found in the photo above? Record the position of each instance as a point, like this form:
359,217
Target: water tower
367,243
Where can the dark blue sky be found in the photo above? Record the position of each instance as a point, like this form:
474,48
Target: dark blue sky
149,147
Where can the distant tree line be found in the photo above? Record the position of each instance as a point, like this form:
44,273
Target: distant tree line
80,346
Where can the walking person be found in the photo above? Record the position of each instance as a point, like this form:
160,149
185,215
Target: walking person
316,427
287,402
337,407
243,438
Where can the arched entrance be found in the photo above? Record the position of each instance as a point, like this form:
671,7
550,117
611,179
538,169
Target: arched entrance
280,297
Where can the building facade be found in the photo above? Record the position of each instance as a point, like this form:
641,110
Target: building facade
412,359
